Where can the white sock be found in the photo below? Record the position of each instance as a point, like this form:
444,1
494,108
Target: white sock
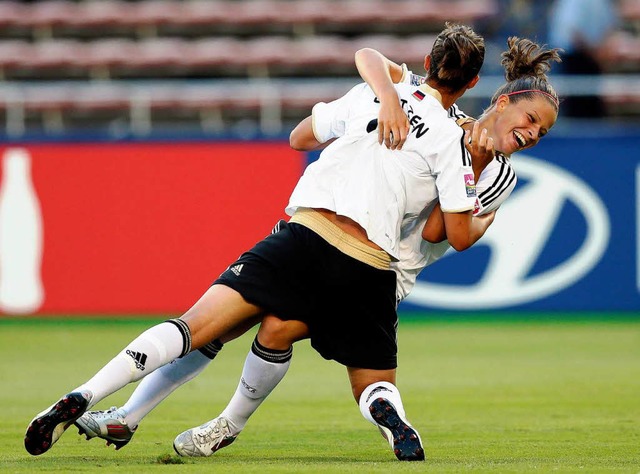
160,384
377,390
154,348
263,370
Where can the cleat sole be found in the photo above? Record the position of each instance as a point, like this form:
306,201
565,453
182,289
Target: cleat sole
406,442
40,434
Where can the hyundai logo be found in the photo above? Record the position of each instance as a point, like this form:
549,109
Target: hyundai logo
519,236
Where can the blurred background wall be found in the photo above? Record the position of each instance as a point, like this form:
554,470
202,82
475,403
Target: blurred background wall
144,146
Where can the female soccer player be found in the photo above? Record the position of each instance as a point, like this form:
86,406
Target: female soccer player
332,258
49,414
375,390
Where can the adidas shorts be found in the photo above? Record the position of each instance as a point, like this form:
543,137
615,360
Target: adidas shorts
349,306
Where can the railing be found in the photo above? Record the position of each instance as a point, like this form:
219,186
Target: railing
214,105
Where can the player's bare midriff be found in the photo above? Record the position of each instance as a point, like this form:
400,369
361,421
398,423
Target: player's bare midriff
349,226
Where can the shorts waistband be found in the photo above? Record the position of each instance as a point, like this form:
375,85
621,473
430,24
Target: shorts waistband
344,242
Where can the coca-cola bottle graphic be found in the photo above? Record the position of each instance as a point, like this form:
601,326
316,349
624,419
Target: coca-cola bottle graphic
21,289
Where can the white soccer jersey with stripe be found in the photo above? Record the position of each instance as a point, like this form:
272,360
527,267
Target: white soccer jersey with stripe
383,190
494,186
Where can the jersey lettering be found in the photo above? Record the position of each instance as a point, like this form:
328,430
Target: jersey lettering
415,121
417,126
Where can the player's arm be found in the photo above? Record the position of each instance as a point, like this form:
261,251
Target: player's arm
328,121
481,149
434,230
463,229
302,137
381,73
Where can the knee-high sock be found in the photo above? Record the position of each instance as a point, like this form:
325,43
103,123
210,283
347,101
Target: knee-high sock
160,384
263,370
380,390
153,348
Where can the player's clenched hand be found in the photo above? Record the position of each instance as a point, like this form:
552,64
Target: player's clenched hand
393,124
480,146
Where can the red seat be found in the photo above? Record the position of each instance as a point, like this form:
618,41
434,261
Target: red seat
98,14
51,13
55,54
105,57
13,54
630,10
621,52
12,14
154,12
157,53
209,53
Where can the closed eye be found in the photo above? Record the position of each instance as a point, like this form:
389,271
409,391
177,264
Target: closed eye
543,131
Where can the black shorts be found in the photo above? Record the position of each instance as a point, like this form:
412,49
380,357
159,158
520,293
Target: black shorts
348,305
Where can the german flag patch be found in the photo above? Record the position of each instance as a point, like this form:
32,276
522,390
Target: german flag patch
418,95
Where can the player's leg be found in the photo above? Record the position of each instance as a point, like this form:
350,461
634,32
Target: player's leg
218,311
117,425
265,366
380,403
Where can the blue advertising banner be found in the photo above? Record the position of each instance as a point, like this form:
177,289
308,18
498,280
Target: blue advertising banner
566,239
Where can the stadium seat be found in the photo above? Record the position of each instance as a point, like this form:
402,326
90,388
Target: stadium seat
102,15
621,53
57,57
12,14
95,17
44,16
12,56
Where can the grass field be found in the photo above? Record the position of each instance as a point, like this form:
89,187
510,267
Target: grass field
493,396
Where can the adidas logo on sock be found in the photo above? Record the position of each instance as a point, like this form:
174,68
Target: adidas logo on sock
247,386
139,357
377,390
236,269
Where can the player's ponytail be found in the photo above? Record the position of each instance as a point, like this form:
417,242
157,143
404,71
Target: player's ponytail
525,68
456,57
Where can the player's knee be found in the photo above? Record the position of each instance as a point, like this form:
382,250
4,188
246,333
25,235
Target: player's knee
275,333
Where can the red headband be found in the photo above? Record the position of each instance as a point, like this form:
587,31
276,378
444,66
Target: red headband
553,98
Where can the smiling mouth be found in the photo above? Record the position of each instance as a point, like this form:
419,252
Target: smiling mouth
522,142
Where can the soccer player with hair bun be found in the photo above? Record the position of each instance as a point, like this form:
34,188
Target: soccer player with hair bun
520,114
333,265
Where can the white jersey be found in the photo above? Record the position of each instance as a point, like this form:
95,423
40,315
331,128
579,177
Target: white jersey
495,184
380,189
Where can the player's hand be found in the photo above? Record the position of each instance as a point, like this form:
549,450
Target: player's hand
480,146
393,125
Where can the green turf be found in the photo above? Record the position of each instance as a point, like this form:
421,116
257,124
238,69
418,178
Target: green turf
486,396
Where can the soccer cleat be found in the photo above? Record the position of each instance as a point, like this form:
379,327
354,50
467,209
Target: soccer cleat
402,437
109,425
47,427
204,440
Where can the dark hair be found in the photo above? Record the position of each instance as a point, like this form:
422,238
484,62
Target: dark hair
525,68
456,57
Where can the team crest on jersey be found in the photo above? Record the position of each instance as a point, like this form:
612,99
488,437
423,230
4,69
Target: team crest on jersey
418,95
470,185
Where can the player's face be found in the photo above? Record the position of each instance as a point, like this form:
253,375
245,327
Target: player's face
520,125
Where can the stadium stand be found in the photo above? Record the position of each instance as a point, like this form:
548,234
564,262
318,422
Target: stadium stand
67,64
